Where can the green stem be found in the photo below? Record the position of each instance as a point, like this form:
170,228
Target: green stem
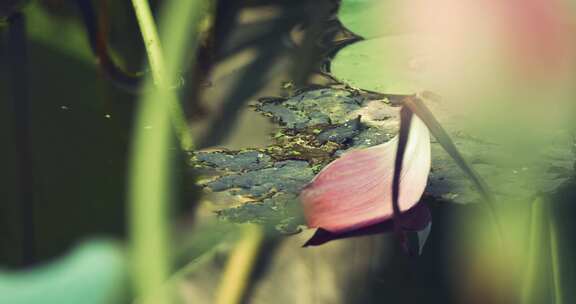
151,172
150,195
161,76
539,230
537,226
555,256
151,41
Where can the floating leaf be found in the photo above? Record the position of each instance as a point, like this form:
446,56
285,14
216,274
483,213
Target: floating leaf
478,51
372,18
389,65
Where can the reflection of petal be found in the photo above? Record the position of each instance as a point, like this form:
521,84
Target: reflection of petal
355,191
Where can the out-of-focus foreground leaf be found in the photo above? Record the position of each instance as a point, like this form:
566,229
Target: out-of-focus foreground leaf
92,274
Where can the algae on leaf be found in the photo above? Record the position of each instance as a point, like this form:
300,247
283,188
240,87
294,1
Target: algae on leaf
317,126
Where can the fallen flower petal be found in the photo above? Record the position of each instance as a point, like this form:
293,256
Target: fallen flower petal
354,192
417,218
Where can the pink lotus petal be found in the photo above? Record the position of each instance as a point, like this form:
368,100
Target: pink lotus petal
355,191
417,218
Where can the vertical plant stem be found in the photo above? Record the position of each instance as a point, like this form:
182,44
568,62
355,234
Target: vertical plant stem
555,256
151,193
151,174
161,78
151,41
537,225
150,196
240,265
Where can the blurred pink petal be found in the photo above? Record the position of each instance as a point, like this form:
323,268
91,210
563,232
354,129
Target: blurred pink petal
538,32
541,29
473,47
355,191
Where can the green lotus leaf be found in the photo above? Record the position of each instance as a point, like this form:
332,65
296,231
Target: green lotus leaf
372,18
92,274
386,65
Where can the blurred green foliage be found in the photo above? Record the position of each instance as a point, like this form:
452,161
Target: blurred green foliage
93,273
